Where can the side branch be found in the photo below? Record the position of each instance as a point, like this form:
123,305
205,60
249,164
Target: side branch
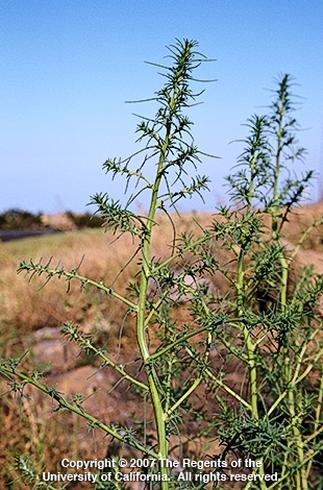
86,344
13,374
39,269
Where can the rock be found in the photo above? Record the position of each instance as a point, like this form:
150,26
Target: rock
53,349
59,221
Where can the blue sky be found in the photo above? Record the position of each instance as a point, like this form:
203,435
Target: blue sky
67,67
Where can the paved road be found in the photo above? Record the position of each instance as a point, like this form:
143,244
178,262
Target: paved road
8,235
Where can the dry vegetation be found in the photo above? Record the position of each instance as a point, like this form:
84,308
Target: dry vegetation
33,429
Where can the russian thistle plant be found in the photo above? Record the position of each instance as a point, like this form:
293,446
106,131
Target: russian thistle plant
278,325
265,326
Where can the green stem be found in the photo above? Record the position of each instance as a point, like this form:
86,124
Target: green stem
184,337
247,338
252,366
226,388
146,272
300,476
296,378
208,373
187,393
317,428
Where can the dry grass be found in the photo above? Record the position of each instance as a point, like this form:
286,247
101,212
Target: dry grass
25,308
102,256
33,306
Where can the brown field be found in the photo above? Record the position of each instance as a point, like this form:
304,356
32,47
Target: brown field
30,317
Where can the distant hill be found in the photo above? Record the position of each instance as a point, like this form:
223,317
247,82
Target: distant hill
17,223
